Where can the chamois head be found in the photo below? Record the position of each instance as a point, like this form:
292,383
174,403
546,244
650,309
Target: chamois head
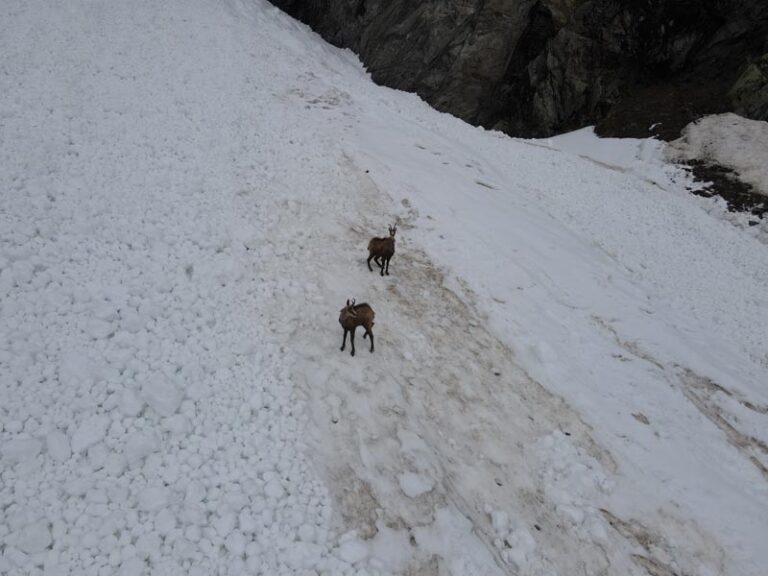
392,231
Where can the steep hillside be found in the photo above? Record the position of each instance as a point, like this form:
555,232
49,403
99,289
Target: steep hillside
570,350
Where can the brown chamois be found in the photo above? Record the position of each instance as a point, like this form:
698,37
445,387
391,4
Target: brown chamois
352,316
382,250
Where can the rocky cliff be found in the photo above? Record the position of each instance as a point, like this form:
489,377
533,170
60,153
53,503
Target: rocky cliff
537,67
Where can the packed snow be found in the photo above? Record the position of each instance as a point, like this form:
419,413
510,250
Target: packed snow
642,157
730,140
570,368
727,140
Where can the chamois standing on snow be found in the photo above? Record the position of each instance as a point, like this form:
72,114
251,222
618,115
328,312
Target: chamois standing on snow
352,316
382,250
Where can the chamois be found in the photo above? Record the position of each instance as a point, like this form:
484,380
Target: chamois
352,316
382,250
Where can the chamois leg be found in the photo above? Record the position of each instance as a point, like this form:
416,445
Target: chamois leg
344,340
352,339
369,333
369,262
388,259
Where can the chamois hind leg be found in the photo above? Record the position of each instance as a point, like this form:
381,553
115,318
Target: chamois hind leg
369,262
344,340
352,339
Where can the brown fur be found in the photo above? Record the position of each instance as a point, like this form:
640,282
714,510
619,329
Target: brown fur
381,250
352,316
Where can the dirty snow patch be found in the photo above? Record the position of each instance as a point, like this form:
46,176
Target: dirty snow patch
729,140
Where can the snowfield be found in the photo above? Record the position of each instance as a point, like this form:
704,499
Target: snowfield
571,365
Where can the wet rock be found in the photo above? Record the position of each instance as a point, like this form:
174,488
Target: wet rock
750,92
537,67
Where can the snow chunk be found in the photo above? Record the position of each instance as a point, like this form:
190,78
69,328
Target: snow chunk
153,498
78,486
178,424
256,401
140,445
132,567
57,444
303,555
353,550
131,321
246,521
414,485
162,396
224,524
130,403
274,489
99,329
165,521
235,543
76,368
148,544
90,432
20,449
34,538
499,521
306,533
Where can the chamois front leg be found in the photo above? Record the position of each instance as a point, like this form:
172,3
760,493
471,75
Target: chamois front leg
352,339
388,259
344,340
369,333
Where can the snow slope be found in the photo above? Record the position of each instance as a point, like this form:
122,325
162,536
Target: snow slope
725,139
570,368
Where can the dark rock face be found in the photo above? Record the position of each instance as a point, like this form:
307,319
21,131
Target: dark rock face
749,94
537,67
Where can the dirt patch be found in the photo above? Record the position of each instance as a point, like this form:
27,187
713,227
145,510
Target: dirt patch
722,181
654,554
356,502
702,392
